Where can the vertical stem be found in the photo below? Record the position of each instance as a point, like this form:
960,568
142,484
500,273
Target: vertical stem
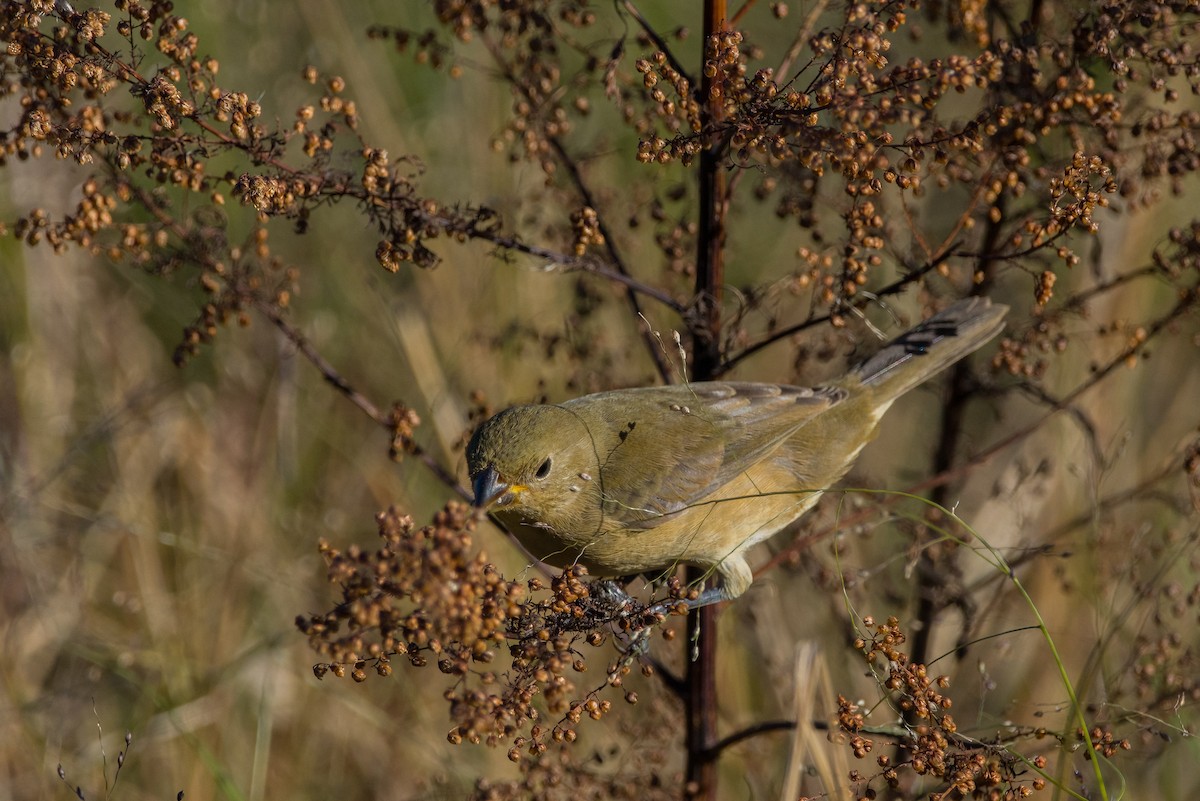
701,682
710,256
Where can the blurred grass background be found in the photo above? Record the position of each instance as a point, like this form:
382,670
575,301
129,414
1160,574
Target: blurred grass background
159,524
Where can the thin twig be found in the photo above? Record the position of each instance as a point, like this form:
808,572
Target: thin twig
766,727
893,288
741,12
335,379
327,370
657,39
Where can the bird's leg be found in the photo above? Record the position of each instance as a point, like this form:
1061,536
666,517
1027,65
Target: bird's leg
708,597
614,599
623,605
636,645
734,575
613,596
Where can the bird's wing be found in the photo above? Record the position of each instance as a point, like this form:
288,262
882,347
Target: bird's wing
663,449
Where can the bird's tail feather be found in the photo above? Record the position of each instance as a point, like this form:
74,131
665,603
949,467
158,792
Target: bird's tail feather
932,346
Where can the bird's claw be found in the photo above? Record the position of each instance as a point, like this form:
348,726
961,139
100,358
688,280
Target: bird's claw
611,594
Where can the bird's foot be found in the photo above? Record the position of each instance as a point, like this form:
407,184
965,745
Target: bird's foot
611,594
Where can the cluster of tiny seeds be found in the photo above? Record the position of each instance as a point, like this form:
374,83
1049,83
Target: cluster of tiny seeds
404,422
642,772
1026,353
1191,470
1182,255
178,119
675,112
873,124
1016,357
427,596
1165,672
917,693
1104,742
1044,290
426,48
586,224
82,119
967,769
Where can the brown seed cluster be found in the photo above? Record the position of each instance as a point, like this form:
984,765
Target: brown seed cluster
152,201
642,772
853,123
404,422
1191,469
1165,674
1106,744
1114,342
586,223
933,746
511,650
874,131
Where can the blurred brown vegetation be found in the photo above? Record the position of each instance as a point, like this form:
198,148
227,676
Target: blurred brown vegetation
450,207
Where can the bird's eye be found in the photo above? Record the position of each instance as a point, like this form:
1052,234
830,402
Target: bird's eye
544,470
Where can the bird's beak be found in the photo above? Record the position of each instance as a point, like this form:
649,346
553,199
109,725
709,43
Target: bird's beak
488,487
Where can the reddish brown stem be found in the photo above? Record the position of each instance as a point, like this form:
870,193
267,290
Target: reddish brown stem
701,680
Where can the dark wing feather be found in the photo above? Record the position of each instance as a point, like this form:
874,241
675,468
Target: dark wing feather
663,449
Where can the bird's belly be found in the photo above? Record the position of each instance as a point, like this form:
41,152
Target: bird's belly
747,510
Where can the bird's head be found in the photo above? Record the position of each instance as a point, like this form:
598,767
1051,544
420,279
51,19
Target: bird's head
535,467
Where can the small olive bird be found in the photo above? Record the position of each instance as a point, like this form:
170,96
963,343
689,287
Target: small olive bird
641,480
